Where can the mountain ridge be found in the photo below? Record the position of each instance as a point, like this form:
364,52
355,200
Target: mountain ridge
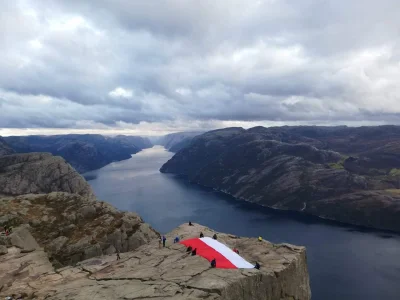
84,152
300,169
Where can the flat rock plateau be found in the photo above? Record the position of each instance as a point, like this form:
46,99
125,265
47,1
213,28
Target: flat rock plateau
150,272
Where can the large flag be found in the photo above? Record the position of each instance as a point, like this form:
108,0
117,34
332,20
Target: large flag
224,256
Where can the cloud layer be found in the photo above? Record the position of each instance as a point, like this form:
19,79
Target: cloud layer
173,65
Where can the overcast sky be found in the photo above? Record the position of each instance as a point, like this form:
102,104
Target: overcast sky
154,67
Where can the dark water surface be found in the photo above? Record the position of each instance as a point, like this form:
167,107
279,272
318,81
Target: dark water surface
345,262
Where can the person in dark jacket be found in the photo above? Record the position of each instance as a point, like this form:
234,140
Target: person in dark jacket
189,249
118,257
213,263
215,236
194,252
164,239
176,240
201,235
190,223
257,266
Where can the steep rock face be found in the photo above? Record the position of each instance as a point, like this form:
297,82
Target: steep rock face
72,228
40,173
167,273
5,149
84,152
177,141
290,168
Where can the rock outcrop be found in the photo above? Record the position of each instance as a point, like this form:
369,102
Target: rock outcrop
84,152
72,228
166,273
299,168
58,207
40,173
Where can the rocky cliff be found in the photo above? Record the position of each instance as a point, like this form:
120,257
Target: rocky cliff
72,228
177,141
166,273
40,173
59,208
84,152
300,168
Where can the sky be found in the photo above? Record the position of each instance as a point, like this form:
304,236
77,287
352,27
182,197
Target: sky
155,67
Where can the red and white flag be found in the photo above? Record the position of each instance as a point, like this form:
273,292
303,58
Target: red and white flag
224,256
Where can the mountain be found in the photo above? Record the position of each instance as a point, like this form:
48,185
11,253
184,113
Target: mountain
177,141
5,149
84,152
346,174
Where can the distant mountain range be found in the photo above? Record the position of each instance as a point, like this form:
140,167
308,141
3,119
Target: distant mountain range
342,173
84,152
88,152
176,141
5,149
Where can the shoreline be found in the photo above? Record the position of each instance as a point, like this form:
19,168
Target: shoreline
295,213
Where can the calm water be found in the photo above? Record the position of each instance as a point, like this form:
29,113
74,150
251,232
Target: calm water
345,262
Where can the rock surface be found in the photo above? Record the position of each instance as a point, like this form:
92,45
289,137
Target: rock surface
300,168
167,273
72,228
40,173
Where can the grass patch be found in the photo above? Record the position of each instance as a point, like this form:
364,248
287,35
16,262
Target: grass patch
393,191
339,164
336,166
394,172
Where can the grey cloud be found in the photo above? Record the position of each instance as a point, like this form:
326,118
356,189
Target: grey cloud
207,61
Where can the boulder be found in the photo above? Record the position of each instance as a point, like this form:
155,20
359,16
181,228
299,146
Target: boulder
23,239
87,211
92,251
58,244
3,250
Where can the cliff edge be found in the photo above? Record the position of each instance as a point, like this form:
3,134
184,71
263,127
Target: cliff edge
35,173
151,272
46,196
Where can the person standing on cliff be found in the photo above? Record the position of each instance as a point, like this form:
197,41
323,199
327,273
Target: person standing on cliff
215,236
118,257
213,263
164,239
201,235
